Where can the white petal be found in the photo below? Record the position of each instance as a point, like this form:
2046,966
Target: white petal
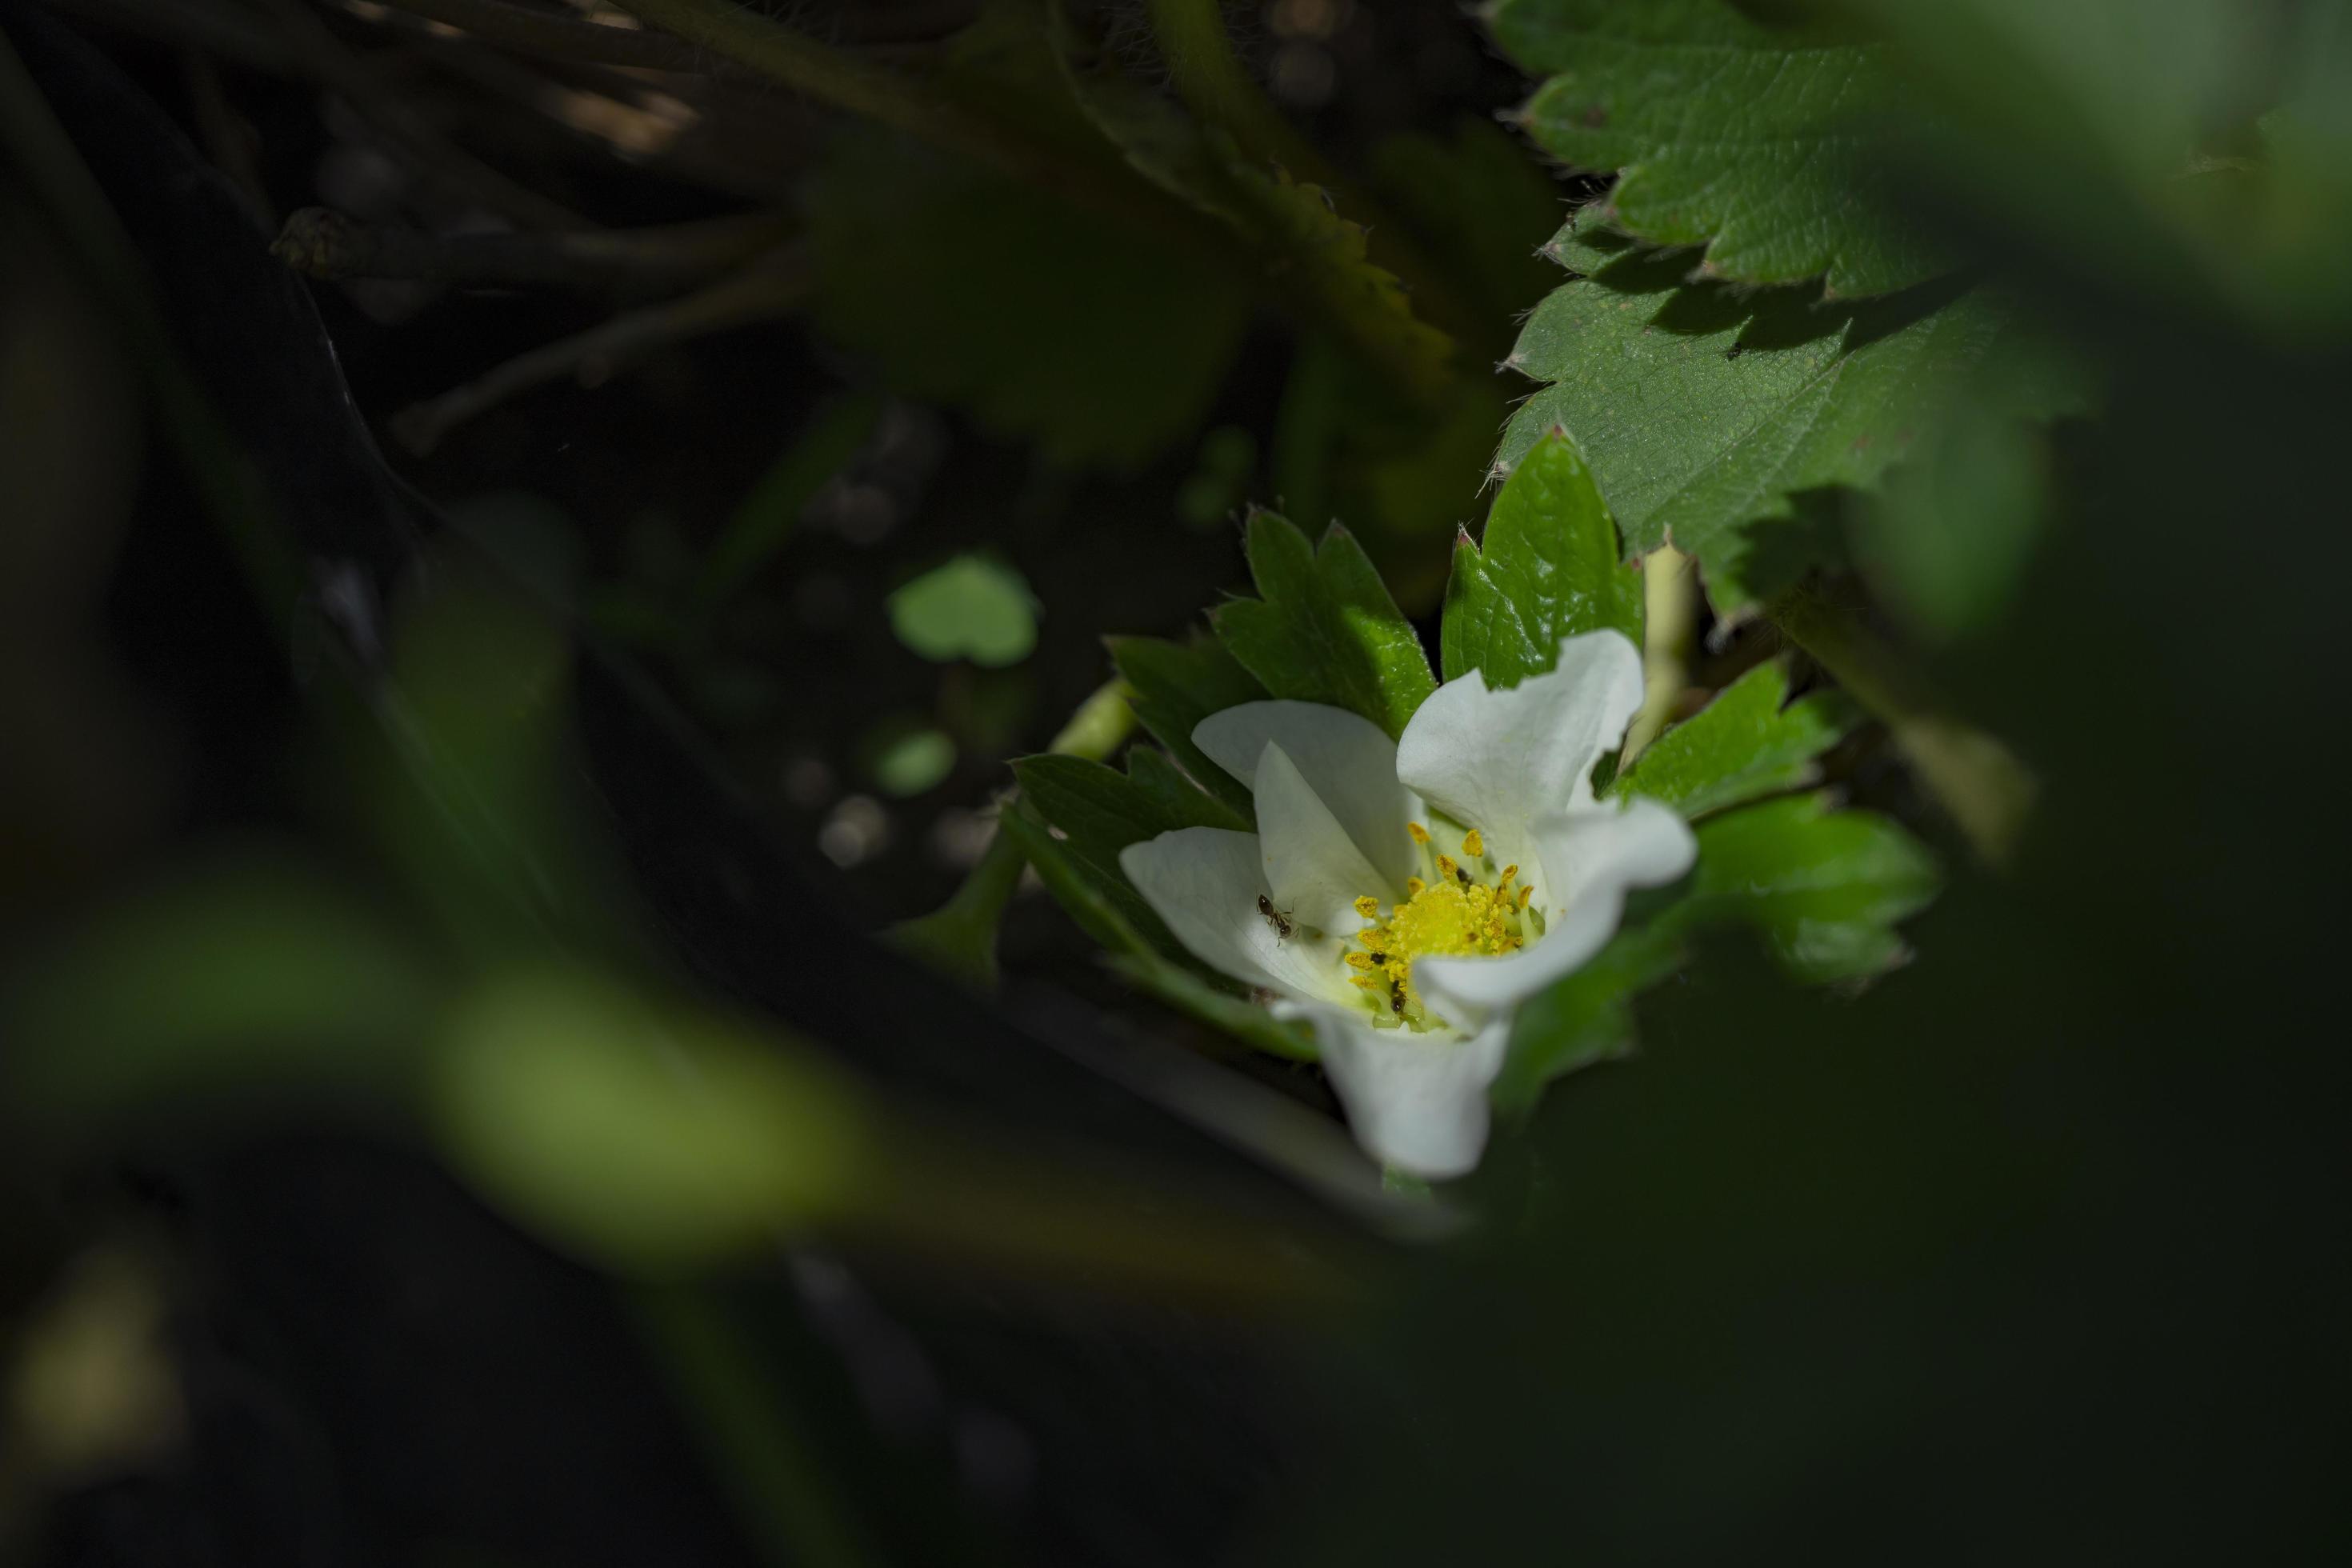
1497,761
1313,868
1417,1102
1344,757
1590,858
1205,883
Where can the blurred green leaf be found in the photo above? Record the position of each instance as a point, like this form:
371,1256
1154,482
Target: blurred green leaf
1326,629
971,607
1315,258
1742,745
1176,686
1550,568
1322,256
1481,203
645,1137
1946,538
908,761
253,976
1710,415
1101,343
1750,141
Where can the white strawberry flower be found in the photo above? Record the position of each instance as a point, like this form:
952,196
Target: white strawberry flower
1406,897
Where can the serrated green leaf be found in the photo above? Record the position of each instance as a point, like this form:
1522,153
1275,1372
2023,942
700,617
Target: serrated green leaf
1091,811
1304,235
1084,895
1107,917
1046,320
1742,746
1824,888
1176,686
1179,799
1481,203
1326,629
1751,140
1712,417
1549,568
1314,256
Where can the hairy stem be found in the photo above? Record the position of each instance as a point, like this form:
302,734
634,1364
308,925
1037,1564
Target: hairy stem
1671,619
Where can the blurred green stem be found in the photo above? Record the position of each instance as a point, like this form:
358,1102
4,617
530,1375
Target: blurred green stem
1987,791
959,936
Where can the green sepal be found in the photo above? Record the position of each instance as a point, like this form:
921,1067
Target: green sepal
1749,743
1177,685
1325,629
1550,568
1823,889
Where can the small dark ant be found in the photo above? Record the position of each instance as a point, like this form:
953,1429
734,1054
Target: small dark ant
1396,1001
1734,351
1278,919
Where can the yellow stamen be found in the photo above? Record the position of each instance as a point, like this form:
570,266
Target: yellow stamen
1419,834
1527,893
1509,872
1360,961
1414,888
1473,846
1368,907
1447,868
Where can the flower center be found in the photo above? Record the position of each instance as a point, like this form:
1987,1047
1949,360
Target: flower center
1465,910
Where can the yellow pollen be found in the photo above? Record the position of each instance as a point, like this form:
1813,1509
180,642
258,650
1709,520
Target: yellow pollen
1419,834
1473,845
1527,893
1462,915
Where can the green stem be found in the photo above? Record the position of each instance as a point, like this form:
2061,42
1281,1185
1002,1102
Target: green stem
1987,791
1670,619
959,936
